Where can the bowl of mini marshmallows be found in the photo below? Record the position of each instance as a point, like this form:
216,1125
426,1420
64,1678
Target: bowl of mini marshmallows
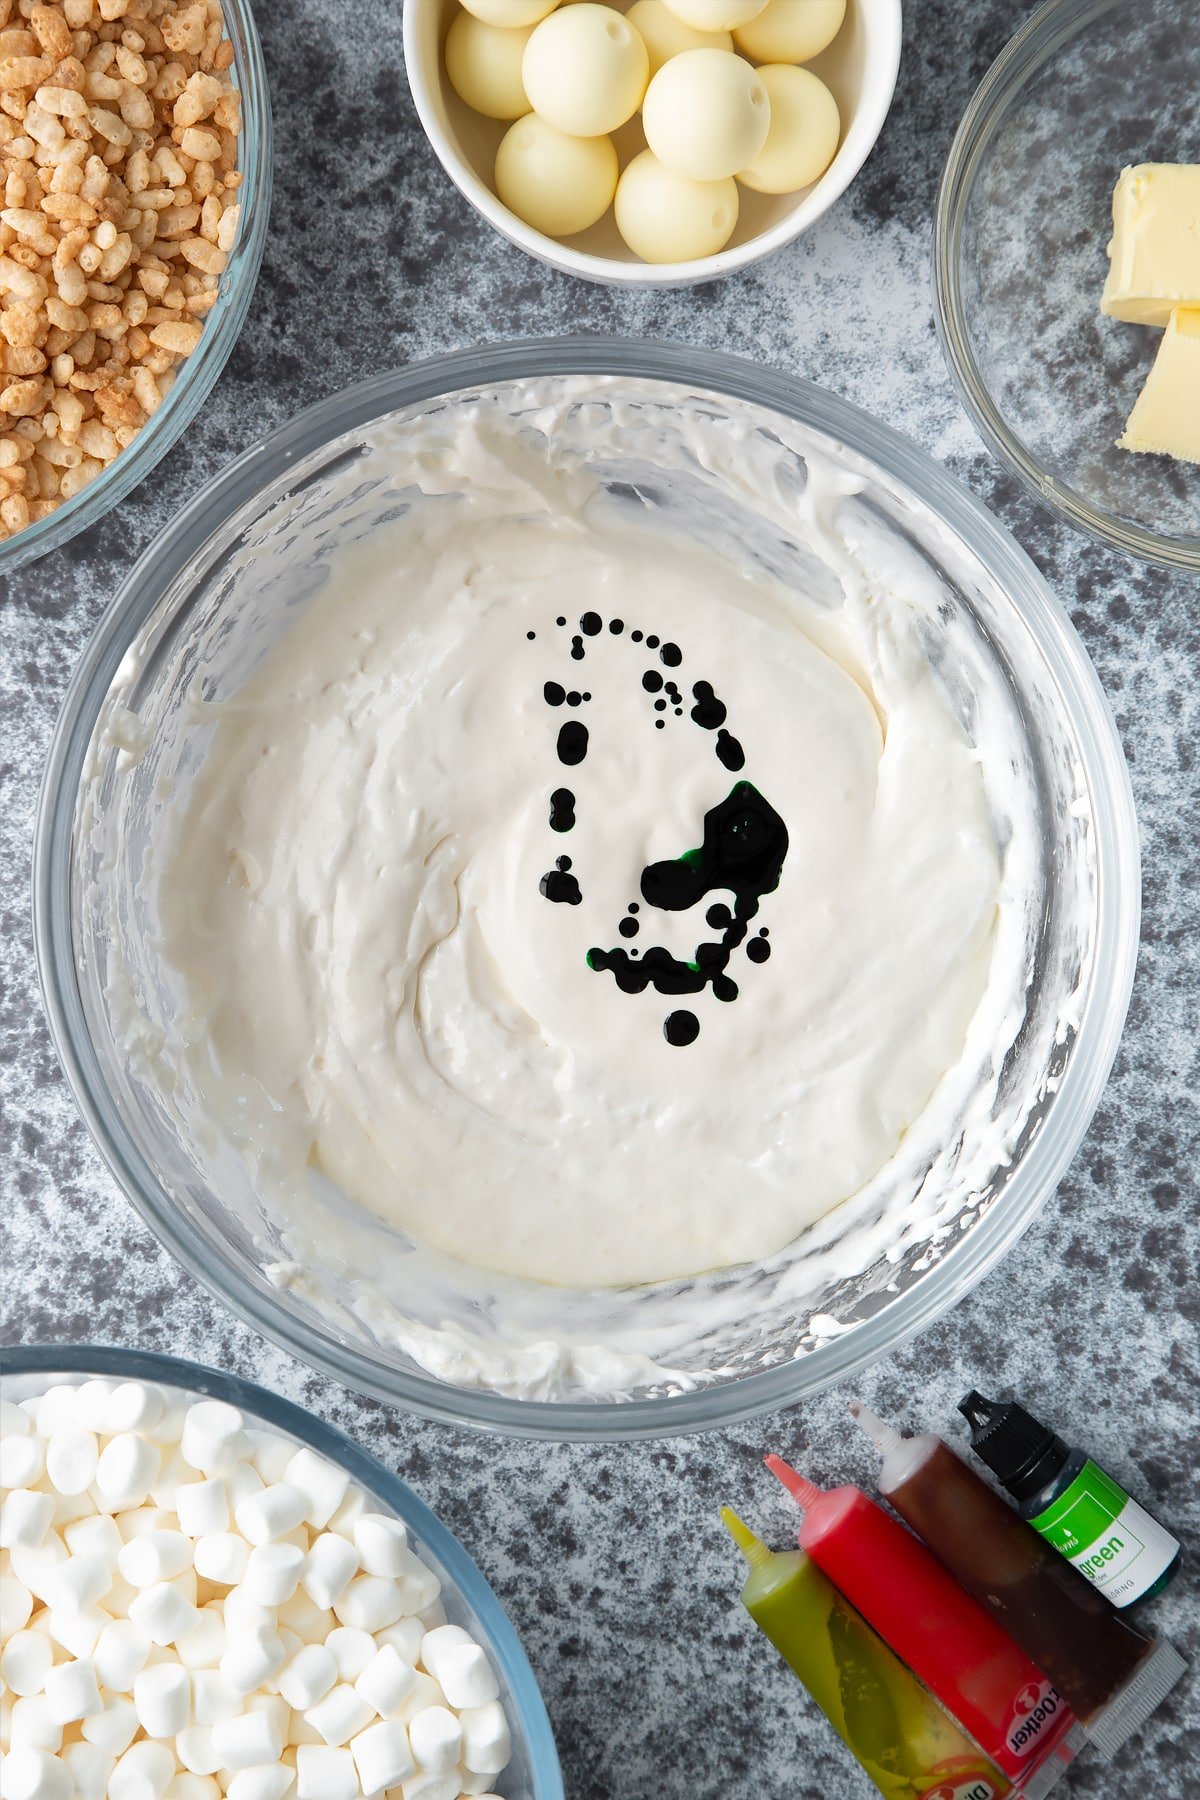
136,146
653,142
206,1591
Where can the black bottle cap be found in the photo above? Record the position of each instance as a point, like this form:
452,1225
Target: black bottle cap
1020,1451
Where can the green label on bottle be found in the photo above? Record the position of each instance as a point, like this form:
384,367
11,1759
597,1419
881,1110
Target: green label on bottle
1108,1536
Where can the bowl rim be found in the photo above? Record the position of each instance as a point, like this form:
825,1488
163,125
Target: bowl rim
197,375
1043,34
886,26
1116,851
283,1414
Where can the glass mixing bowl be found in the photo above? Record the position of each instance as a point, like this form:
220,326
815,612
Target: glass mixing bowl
212,594
197,374
533,1772
1023,219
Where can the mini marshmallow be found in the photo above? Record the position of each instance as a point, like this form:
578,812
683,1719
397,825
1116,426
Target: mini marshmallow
240,1482
427,1786
423,1692
14,1422
138,1521
76,1628
351,1649
436,1642
242,1612
97,1535
309,1621
273,1573
382,1544
421,1591
131,1406
214,1437
155,1556
90,1406
197,1750
271,1454
25,1662
70,1507
406,1637
325,1774
269,1781
37,1566
370,1602
328,1569
386,1682
221,1556
436,1738
16,1604
72,1692
35,1775
202,1507
143,1773
89,1768
486,1742
127,1466
206,1643
33,1726
474,1785
252,1658
112,1730
164,1612
173,1474
275,1709
340,1714
266,1517
309,1676
162,1699
121,1650
186,1786
244,1742
212,1698
169,1428
71,1459
467,1676
25,1519
382,1755
55,1409
22,1461
352,1508
322,1483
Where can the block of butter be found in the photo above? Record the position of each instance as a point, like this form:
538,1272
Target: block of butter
1155,250
1166,418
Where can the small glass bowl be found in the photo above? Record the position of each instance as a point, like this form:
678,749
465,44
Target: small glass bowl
197,374
1023,218
533,1772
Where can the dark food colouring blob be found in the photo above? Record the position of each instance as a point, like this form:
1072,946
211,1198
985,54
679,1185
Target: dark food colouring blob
636,636
708,712
591,624
652,681
616,626
531,635
652,642
745,844
560,886
718,917
560,621
572,743
574,697
577,649
670,655
562,810
730,752
681,1028
628,928
758,950
553,694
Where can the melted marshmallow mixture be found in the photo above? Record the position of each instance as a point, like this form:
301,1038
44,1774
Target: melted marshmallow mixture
578,903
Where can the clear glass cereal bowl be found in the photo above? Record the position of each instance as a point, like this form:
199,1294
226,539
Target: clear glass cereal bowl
196,374
357,1298
1023,218
533,1772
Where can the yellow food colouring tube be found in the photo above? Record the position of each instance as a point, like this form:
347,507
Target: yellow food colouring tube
901,1737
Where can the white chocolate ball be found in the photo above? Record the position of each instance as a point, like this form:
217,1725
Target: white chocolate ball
483,64
706,114
666,36
510,15
585,70
715,15
664,217
804,134
791,30
557,183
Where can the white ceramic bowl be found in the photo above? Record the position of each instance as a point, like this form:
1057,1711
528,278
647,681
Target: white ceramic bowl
860,67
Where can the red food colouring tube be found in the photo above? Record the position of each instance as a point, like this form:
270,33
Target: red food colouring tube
982,1678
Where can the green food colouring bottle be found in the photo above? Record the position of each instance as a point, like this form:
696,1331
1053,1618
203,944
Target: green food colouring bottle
1076,1506
900,1735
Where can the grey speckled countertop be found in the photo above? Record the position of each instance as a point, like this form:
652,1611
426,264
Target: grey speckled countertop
610,1560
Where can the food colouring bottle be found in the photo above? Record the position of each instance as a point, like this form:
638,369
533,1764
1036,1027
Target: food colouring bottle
1078,1508
984,1680
1113,1676
904,1741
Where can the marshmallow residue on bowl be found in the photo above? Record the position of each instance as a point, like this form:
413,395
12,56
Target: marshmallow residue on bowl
192,1606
